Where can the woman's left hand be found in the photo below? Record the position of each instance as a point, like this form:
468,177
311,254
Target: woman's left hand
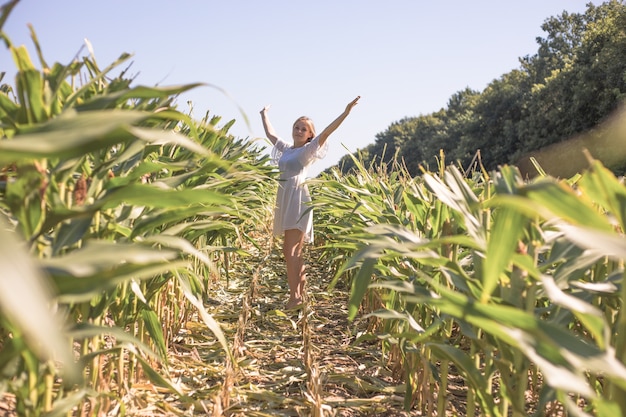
352,104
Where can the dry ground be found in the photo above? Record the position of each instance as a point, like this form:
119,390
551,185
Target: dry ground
306,363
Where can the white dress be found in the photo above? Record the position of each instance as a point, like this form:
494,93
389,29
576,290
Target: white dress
292,210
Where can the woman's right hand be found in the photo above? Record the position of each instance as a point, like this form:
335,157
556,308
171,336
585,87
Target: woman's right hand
267,126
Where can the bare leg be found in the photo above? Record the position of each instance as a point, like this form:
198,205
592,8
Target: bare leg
292,249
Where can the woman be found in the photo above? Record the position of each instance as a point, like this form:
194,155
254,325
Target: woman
293,217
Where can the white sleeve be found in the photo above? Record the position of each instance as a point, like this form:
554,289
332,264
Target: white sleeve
313,151
277,150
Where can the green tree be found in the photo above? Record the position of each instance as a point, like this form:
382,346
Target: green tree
589,85
557,49
427,135
497,114
575,80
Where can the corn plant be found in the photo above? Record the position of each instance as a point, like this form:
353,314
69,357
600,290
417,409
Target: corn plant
514,285
119,212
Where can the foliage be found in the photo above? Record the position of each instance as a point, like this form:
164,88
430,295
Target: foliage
118,214
515,285
575,81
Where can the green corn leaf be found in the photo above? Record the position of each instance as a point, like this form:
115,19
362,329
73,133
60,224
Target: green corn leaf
170,137
75,134
101,266
122,337
208,319
211,229
590,316
9,112
64,406
556,200
6,11
359,286
71,135
598,242
455,199
110,100
70,233
73,289
606,408
466,364
562,356
180,244
158,195
507,227
24,198
603,187
92,82
460,187
30,86
155,330
25,299
159,379
417,334
173,215
101,255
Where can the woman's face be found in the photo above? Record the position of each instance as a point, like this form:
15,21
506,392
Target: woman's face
301,133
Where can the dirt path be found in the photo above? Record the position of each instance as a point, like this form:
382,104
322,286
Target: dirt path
298,364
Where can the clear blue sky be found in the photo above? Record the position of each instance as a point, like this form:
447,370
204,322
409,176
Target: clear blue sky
403,57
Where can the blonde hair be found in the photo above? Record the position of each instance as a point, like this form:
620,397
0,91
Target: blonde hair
309,122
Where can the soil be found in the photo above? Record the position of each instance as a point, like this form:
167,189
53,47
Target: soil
305,363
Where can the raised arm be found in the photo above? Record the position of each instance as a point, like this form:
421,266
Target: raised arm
335,124
269,130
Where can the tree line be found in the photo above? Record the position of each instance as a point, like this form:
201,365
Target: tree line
575,80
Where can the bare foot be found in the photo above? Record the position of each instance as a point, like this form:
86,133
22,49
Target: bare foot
294,304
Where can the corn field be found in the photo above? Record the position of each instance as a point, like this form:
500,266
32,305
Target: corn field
515,286
139,276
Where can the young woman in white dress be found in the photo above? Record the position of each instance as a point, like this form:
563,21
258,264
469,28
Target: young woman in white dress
293,217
